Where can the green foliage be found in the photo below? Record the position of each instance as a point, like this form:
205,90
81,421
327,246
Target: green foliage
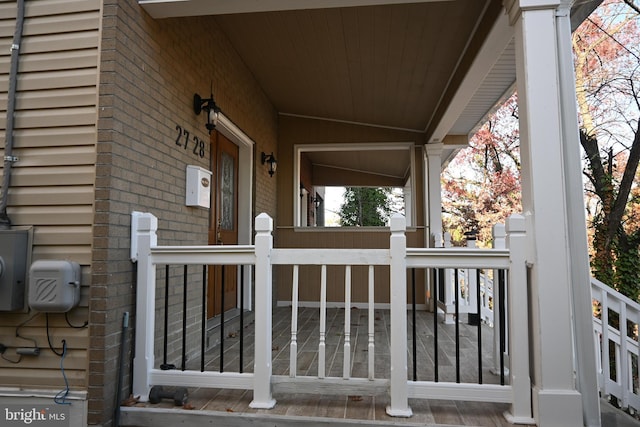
364,206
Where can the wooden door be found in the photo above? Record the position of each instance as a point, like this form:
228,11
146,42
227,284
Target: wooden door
223,230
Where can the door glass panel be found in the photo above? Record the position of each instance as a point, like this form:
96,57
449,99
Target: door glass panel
227,187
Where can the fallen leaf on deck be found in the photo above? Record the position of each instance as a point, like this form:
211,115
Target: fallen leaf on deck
188,406
131,400
229,410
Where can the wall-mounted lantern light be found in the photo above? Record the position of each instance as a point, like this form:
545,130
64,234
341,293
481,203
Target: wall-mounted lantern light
271,160
208,105
316,201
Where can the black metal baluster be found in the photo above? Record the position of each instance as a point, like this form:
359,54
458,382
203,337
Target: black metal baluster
222,320
241,317
184,319
203,324
413,312
435,323
457,293
501,314
165,366
478,305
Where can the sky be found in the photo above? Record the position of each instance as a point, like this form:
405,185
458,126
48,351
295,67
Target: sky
333,198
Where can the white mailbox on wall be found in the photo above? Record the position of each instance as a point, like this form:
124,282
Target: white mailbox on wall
198,187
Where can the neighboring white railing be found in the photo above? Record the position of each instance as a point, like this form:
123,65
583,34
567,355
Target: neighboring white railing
465,294
617,350
263,256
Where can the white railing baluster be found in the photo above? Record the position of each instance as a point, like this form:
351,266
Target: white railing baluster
323,322
346,368
293,350
371,330
624,355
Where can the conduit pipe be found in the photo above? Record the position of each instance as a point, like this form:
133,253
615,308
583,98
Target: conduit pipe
9,159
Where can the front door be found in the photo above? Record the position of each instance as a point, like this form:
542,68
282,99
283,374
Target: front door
223,230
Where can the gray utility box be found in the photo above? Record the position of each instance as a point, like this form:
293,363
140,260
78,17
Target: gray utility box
14,253
54,285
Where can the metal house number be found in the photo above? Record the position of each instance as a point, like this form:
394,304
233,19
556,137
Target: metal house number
186,141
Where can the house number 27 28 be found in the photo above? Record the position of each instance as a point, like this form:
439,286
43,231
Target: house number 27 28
186,141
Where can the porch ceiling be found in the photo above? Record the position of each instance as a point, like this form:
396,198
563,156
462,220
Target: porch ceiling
395,65
435,67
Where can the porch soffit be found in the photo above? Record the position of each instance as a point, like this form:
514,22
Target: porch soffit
432,67
387,65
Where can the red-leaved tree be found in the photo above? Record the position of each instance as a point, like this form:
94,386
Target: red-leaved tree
481,186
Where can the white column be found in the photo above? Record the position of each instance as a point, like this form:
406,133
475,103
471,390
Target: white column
143,238
262,398
434,189
578,246
433,200
556,402
399,406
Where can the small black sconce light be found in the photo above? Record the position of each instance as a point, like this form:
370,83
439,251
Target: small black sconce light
273,163
209,105
316,201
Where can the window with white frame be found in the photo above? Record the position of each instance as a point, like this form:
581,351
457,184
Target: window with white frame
332,181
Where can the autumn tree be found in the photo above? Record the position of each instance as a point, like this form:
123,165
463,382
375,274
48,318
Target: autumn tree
481,186
607,63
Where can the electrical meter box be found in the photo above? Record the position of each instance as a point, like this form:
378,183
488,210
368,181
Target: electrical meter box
14,245
54,285
198,191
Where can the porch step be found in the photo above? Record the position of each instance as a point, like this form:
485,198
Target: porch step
153,417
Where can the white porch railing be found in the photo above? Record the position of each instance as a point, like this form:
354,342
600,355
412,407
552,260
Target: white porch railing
398,257
466,293
617,348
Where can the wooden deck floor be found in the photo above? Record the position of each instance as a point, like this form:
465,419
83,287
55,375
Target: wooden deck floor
359,409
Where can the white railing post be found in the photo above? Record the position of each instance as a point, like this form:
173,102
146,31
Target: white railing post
520,411
262,398
499,242
399,406
143,237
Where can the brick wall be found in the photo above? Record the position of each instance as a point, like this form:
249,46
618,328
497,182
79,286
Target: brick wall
149,71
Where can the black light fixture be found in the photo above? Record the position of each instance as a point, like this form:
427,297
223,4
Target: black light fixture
209,105
273,163
316,201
